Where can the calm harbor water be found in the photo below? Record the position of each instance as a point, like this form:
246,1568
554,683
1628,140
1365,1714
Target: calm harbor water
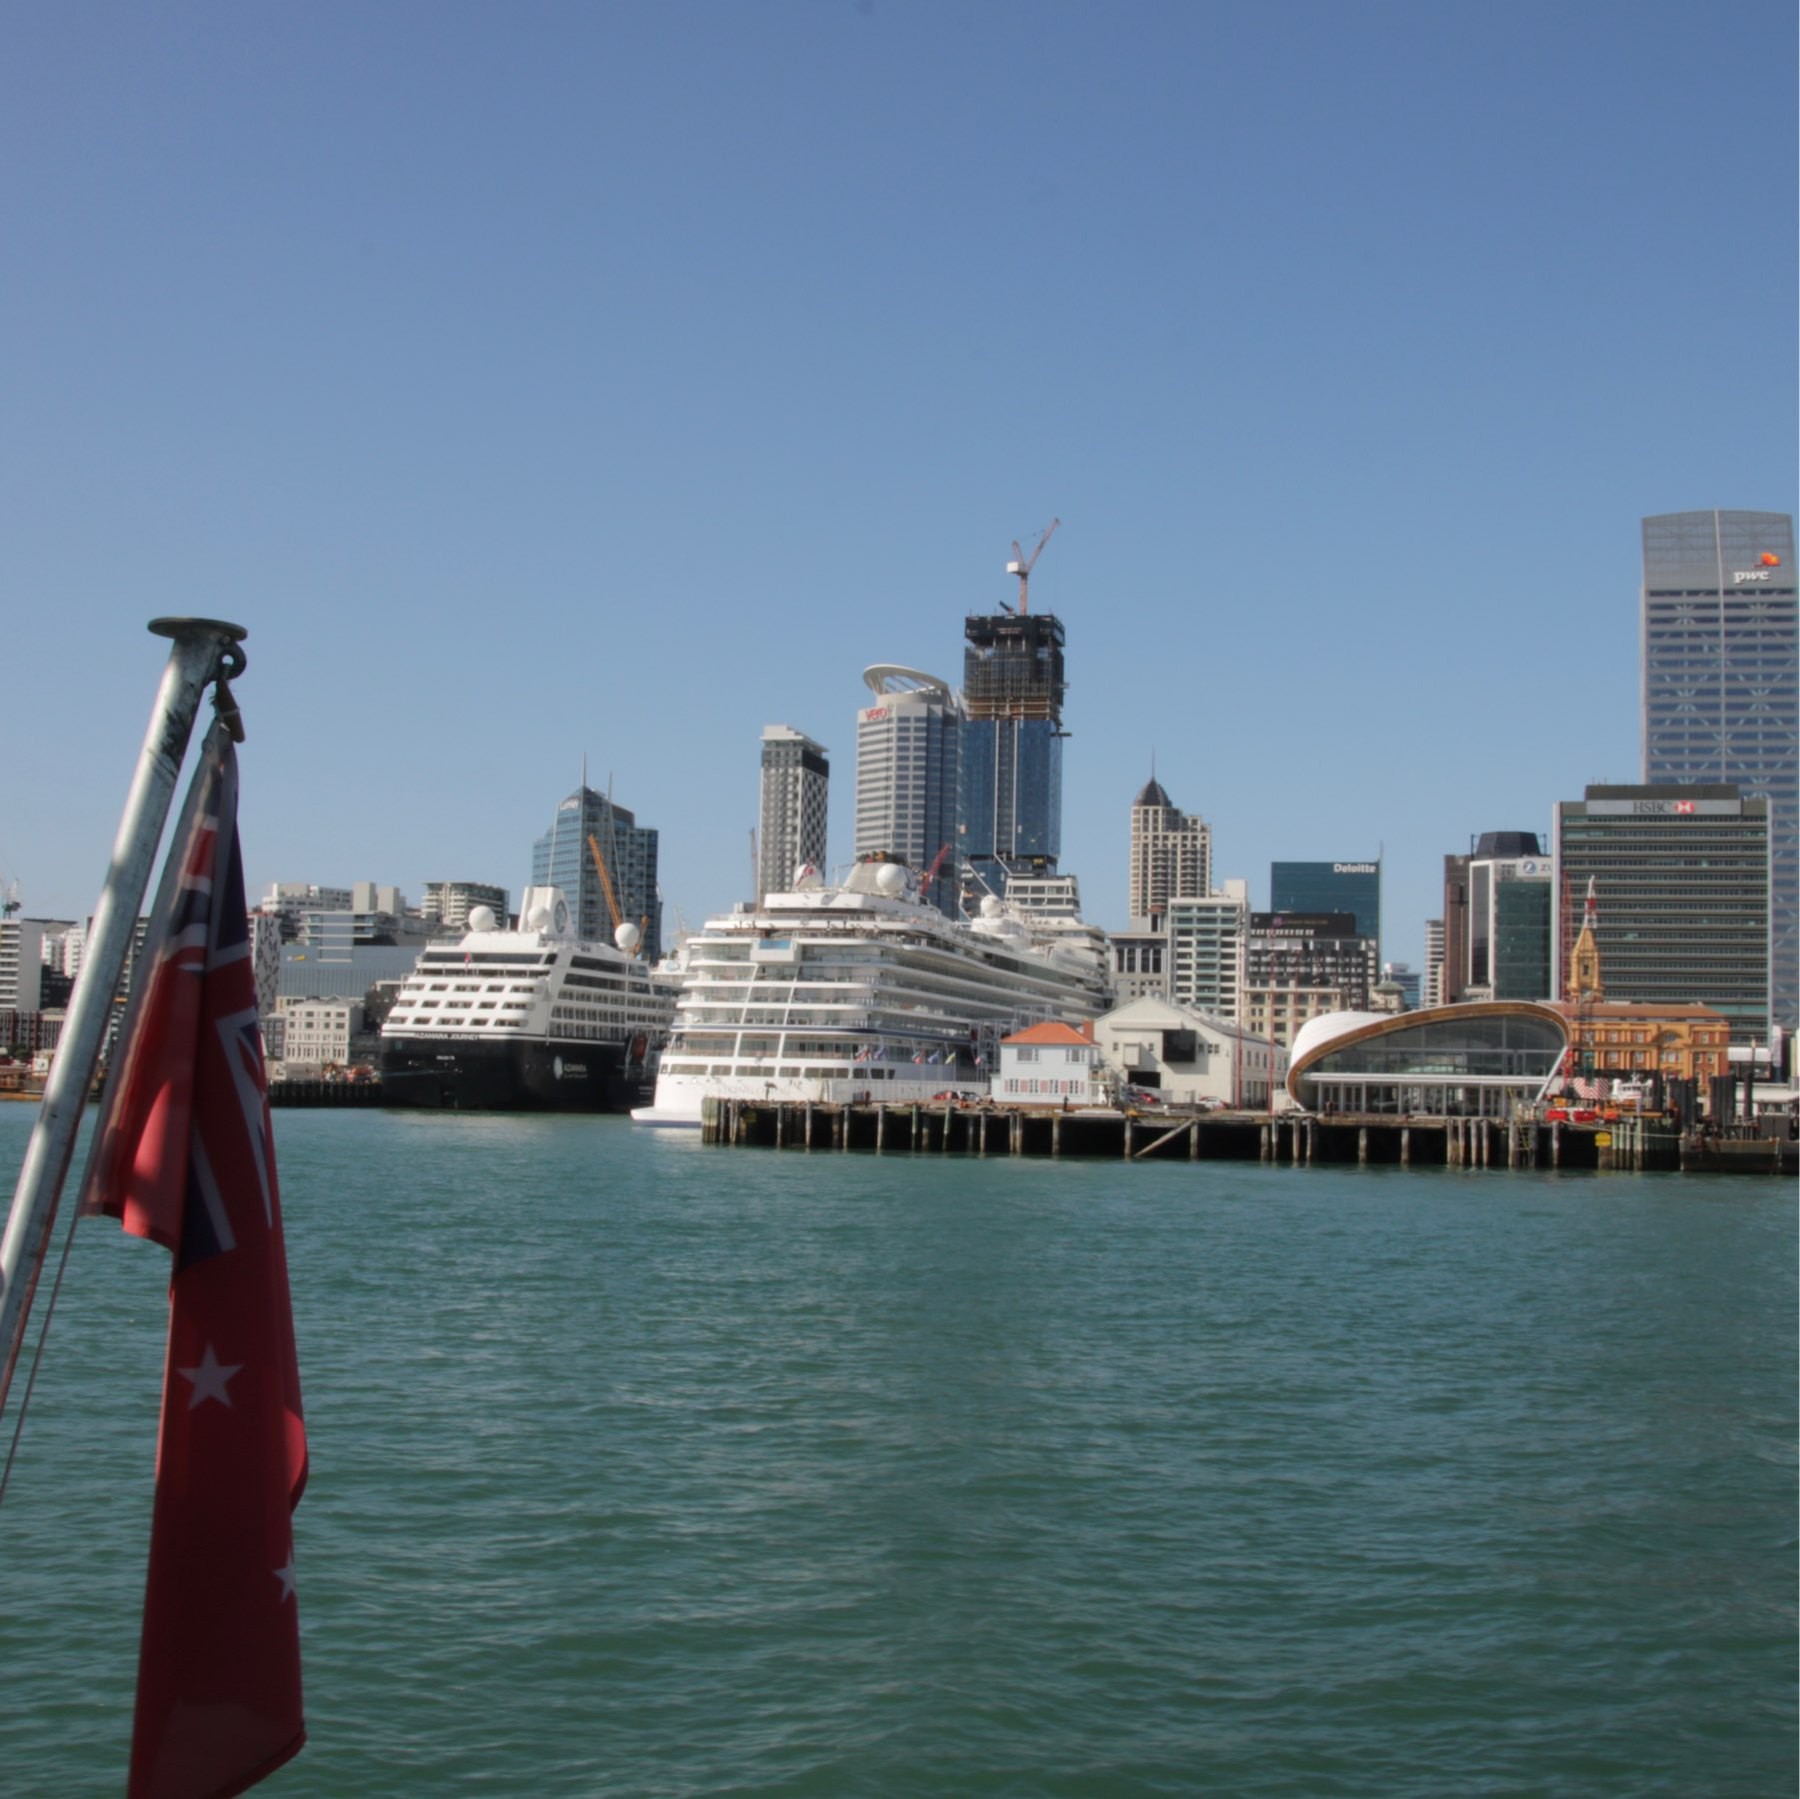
646,1468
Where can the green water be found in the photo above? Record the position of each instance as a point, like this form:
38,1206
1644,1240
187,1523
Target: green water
646,1468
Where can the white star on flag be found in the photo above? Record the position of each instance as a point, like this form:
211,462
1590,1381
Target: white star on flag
286,1577
209,1379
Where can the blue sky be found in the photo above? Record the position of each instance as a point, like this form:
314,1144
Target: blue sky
543,381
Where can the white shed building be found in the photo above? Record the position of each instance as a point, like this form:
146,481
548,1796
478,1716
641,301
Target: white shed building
1188,1056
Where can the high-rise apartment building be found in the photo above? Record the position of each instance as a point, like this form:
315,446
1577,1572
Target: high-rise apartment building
1432,993
796,784
22,962
1206,942
1721,687
1681,884
1318,887
1010,816
1171,855
564,857
449,903
907,761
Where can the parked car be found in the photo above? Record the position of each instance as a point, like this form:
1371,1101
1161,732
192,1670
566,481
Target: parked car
1140,1096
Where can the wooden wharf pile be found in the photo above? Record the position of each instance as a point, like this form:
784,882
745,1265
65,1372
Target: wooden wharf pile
1291,1139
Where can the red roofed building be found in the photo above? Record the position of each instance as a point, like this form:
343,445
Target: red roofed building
1048,1065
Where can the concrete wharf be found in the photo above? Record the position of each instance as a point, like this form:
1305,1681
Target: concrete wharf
1291,1139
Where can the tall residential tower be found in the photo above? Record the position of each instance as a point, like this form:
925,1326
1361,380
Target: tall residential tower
1171,855
796,785
907,759
1721,688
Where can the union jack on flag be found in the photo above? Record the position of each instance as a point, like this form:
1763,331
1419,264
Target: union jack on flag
184,1155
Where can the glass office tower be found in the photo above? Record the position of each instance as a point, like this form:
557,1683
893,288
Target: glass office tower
564,857
1721,687
1353,887
1681,887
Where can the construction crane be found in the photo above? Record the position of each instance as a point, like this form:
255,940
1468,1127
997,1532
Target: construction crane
931,873
606,886
1021,564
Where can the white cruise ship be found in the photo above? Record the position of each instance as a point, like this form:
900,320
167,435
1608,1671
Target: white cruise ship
529,1020
863,991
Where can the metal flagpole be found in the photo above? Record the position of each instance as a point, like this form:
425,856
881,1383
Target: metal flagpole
205,650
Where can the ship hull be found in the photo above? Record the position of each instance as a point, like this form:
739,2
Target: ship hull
512,1075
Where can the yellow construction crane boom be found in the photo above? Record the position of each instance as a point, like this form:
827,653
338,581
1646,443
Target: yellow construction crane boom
606,886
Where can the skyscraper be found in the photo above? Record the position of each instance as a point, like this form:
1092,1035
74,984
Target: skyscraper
564,857
1353,887
1010,816
796,784
907,759
1171,855
1721,688
1498,912
1681,879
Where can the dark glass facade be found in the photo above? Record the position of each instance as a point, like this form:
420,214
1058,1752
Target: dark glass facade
1353,887
563,858
1521,948
1010,807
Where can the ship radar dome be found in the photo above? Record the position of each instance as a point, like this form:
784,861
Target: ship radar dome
481,918
539,919
805,876
628,937
990,906
890,877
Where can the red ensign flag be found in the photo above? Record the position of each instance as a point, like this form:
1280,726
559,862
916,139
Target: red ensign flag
184,1155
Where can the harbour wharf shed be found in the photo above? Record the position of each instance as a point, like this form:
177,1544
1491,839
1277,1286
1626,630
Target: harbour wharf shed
1188,1056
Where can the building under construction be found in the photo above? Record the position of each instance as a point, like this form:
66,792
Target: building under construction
1013,686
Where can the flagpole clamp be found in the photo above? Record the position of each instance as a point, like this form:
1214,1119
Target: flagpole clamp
231,661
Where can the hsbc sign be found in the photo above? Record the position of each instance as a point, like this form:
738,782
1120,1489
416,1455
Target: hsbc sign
1665,808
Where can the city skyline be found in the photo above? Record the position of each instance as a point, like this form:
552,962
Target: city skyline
522,427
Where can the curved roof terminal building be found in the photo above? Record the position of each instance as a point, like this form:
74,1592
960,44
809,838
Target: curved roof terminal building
1474,1060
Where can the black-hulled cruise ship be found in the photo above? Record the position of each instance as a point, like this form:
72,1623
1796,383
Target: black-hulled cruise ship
533,1019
